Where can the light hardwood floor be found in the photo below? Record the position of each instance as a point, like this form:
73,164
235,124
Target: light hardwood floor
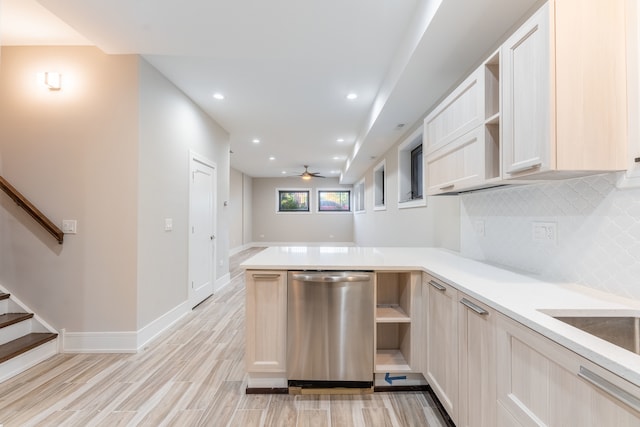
193,375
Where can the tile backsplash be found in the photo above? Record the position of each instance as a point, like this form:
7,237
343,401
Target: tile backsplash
598,231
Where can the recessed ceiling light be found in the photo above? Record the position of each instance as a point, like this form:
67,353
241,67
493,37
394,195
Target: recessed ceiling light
272,158
340,140
218,96
255,141
283,172
351,96
336,157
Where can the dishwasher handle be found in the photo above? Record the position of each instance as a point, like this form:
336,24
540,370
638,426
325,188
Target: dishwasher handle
332,277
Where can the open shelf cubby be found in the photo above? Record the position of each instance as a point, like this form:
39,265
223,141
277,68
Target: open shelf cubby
393,297
393,321
492,86
393,347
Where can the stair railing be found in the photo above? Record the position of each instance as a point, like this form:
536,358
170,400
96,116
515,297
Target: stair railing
25,204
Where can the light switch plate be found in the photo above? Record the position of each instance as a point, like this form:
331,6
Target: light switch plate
69,226
168,224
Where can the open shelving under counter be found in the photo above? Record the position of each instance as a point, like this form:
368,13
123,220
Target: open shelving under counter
391,313
395,314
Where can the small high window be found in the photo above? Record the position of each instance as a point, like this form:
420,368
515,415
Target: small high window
358,196
416,173
293,201
334,200
411,173
379,186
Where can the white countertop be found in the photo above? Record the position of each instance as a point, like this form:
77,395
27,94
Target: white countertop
517,296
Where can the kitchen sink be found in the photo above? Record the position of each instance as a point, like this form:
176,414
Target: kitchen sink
623,331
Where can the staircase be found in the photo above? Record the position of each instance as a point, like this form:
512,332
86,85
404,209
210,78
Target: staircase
24,341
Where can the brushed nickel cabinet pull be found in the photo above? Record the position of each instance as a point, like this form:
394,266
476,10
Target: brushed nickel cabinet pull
437,285
266,276
609,388
474,307
525,167
447,187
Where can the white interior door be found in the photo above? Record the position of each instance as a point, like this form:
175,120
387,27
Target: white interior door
202,233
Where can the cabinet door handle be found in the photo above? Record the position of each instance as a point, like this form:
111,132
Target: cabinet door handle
525,166
437,285
474,307
447,187
266,276
609,388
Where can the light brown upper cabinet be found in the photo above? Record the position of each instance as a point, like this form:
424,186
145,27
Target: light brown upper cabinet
462,134
564,85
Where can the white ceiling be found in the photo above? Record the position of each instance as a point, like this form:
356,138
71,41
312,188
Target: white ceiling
286,66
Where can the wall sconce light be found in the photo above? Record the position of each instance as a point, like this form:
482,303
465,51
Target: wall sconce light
52,80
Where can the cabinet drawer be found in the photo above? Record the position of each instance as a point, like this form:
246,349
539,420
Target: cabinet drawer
459,165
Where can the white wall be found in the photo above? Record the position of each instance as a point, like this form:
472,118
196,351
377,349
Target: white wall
170,126
240,211
111,150
247,212
270,226
74,154
598,231
437,224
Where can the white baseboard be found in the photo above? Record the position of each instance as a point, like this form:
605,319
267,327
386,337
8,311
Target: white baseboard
329,244
122,342
100,342
239,249
161,324
222,282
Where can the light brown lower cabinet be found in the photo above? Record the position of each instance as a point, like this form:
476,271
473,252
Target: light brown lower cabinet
441,326
477,363
460,353
541,383
266,321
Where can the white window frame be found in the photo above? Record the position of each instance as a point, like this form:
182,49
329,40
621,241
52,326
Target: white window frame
380,186
349,189
292,189
359,196
404,171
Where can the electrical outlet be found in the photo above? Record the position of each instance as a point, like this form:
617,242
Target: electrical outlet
478,227
545,232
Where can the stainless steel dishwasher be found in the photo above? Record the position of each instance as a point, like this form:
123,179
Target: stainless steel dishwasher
330,327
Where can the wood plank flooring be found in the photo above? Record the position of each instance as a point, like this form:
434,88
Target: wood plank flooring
193,375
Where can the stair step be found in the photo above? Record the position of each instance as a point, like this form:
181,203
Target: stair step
23,344
9,319
3,296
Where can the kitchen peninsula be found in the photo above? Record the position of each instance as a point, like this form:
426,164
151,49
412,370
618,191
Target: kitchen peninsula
470,330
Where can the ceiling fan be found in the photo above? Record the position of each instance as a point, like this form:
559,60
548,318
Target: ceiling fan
306,175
